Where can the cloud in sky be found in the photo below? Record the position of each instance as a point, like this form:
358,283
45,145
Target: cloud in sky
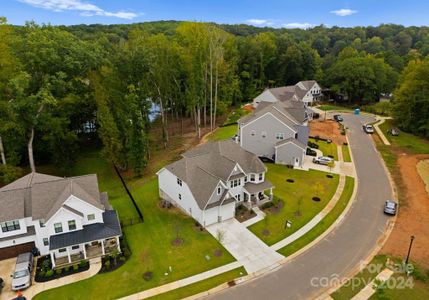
298,25
258,22
85,9
343,12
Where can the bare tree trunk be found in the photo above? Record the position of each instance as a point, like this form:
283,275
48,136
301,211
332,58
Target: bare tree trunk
205,96
30,151
3,157
211,87
199,122
215,97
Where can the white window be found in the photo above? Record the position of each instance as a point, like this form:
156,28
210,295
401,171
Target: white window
62,250
219,189
260,176
58,227
179,182
45,241
280,136
264,134
245,178
90,217
238,197
252,177
72,225
10,226
252,133
180,196
42,223
75,247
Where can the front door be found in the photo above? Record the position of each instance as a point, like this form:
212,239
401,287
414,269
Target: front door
296,162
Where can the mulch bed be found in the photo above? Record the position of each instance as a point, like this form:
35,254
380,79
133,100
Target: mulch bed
70,271
218,253
266,232
119,262
177,242
244,215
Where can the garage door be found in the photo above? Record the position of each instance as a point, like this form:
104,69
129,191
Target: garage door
13,251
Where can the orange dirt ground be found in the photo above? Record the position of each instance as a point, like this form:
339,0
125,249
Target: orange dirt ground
413,217
327,129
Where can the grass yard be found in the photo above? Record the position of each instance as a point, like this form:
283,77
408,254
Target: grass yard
346,153
235,115
328,149
223,133
150,242
413,144
420,290
298,204
326,222
201,286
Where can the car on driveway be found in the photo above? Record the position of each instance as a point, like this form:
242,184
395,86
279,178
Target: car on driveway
368,128
393,131
21,277
322,160
338,118
390,207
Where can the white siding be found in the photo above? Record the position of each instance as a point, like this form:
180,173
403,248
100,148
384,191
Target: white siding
86,209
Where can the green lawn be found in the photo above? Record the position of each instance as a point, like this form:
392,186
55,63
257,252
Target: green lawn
349,290
223,133
326,222
150,243
346,153
297,197
201,286
327,148
235,115
406,141
419,291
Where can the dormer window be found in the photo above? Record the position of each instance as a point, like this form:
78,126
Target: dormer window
252,177
90,217
280,136
179,182
219,189
42,223
10,226
72,225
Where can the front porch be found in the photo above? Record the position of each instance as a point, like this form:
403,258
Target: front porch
76,253
254,194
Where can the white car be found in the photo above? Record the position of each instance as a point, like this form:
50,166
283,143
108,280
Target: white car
322,160
368,128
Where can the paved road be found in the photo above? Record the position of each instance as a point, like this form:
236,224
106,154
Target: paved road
344,248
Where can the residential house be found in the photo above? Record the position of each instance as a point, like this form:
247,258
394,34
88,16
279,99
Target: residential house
66,218
307,92
276,130
212,179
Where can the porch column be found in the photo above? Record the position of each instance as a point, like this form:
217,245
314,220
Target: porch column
84,251
118,244
68,254
52,259
102,248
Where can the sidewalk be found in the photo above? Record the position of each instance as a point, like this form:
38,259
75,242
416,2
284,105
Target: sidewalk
370,289
38,287
182,282
380,132
260,215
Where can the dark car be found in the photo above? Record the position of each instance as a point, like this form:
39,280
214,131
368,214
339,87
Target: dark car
390,207
338,118
393,131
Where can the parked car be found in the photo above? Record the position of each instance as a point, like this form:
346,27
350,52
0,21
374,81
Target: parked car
322,160
22,274
368,128
390,207
311,152
338,118
393,131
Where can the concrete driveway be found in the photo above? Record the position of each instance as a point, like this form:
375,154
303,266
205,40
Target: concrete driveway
6,269
312,273
246,247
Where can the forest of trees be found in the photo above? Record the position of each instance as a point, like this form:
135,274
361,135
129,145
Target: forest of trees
57,80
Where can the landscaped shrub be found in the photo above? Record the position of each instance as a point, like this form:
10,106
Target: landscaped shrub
58,271
126,252
312,145
46,264
122,258
67,268
148,276
75,267
107,264
49,273
42,273
267,205
83,263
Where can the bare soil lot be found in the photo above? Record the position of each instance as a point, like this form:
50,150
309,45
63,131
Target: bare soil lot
413,217
328,129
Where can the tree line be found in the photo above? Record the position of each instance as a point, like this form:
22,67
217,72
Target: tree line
60,83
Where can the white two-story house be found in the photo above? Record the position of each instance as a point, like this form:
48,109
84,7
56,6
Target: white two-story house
66,218
211,179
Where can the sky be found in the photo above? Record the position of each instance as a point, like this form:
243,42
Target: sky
274,13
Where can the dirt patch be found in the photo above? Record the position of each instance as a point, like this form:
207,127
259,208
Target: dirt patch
413,216
327,129
423,169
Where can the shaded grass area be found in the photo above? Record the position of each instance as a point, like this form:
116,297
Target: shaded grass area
297,197
325,223
150,242
223,133
328,149
329,107
365,276
346,153
201,286
235,115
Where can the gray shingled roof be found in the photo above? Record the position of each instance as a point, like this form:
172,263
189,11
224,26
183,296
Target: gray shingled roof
292,92
204,166
93,232
254,188
40,196
294,141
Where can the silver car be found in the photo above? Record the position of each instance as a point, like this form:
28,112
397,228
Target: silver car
390,207
322,160
22,274
368,128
